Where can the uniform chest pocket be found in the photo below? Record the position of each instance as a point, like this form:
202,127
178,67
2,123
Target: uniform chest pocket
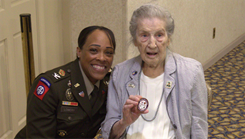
67,113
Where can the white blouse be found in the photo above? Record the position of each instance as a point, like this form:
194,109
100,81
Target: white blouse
160,126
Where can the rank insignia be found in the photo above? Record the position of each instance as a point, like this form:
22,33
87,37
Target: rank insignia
168,84
69,95
42,88
76,85
81,94
106,82
56,76
62,72
62,133
67,103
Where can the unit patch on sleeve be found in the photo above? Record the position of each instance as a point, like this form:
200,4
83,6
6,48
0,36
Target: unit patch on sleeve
42,88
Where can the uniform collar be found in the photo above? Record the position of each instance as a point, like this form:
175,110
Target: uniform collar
80,92
88,84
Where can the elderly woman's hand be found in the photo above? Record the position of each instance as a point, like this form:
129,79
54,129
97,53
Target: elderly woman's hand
130,110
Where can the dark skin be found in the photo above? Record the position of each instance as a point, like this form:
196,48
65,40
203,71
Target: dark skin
96,55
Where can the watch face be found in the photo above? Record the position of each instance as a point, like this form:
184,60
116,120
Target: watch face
143,104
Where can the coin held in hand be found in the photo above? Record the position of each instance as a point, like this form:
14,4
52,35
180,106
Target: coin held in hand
143,104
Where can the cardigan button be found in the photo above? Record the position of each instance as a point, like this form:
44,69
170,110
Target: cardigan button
175,126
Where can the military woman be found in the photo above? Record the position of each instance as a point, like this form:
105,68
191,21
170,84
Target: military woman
70,101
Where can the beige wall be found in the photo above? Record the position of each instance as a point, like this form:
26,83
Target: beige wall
78,14
194,22
49,35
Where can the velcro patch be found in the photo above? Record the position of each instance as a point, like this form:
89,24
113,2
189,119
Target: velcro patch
42,88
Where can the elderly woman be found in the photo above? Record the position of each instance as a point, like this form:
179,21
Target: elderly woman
172,86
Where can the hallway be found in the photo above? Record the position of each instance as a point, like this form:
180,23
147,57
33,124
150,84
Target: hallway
227,79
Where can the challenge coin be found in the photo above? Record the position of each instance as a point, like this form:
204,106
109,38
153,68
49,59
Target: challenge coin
143,104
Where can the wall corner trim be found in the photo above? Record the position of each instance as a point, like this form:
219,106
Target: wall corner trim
223,52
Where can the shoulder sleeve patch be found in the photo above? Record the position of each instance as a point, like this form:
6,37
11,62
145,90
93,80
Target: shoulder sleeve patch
42,88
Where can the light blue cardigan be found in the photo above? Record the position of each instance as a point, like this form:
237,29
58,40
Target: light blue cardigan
186,98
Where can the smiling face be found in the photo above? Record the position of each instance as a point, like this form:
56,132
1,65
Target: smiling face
152,40
96,55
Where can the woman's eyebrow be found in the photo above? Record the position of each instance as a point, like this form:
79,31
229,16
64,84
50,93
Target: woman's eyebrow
95,45
110,47
100,46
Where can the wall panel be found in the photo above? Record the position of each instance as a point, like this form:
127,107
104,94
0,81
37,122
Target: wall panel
5,123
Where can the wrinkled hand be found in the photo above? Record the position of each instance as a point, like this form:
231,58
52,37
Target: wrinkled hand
130,110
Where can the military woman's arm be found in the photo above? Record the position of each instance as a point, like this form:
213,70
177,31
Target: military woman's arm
41,109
